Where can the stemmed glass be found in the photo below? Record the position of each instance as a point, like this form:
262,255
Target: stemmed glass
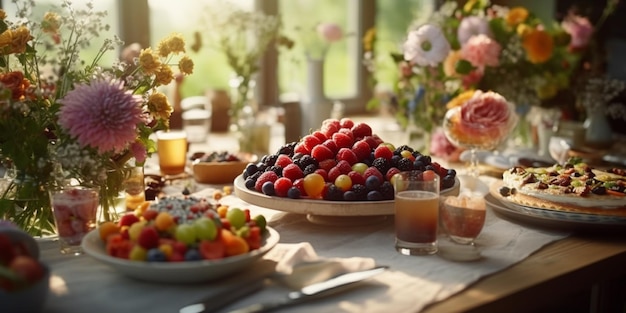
481,134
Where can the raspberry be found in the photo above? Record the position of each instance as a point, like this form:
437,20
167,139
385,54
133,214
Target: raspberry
347,155
333,173
371,140
346,122
293,172
390,172
330,144
310,141
321,136
361,149
344,166
283,160
356,177
323,173
299,184
347,132
372,171
148,238
301,148
329,127
268,176
383,151
360,130
281,186
321,153
327,164
342,140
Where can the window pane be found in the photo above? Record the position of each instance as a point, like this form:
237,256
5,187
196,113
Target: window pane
211,71
339,73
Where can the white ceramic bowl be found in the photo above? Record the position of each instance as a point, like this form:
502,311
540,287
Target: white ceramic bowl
178,272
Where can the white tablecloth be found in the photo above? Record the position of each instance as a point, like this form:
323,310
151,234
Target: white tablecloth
81,284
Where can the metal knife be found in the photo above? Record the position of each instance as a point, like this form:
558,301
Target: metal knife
315,291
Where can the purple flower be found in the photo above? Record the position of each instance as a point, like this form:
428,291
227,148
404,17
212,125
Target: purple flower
101,114
580,29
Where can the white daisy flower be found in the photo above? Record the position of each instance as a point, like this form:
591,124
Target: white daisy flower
426,46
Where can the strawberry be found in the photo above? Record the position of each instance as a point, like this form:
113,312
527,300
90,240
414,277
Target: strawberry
347,155
361,149
293,172
372,171
321,153
310,141
357,178
330,144
342,140
361,130
346,122
265,177
327,164
281,186
283,160
383,151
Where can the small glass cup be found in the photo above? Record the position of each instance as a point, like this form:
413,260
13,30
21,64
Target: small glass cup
463,216
75,211
416,212
134,188
172,152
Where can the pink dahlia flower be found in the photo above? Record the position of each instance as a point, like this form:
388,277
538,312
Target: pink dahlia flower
426,46
330,32
472,26
101,114
580,29
481,51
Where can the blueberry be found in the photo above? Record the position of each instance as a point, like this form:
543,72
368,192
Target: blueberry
156,255
350,195
268,188
374,195
191,255
294,193
250,183
372,182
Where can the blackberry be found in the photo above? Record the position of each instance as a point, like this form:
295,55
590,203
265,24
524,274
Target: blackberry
402,148
251,168
360,192
381,164
276,169
311,168
386,189
287,149
269,159
333,193
425,159
305,161
404,164
447,181
250,182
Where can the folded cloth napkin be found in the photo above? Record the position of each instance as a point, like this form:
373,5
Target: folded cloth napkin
298,265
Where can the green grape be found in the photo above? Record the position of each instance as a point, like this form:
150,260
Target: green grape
344,182
186,233
205,228
138,253
236,217
261,222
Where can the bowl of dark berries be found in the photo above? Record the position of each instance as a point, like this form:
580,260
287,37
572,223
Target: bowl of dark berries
219,167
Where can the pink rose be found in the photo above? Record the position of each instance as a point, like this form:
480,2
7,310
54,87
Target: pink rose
330,32
580,29
485,110
481,51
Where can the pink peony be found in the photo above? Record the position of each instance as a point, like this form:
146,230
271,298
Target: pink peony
101,114
580,29
330,32
472,26
441,147
481,51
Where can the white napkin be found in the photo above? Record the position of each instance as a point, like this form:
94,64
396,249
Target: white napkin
298,265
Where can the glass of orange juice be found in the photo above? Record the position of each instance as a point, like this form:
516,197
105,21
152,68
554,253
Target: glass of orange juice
416,212
172,151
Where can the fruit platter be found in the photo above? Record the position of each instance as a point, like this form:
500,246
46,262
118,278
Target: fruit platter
181,240
339,170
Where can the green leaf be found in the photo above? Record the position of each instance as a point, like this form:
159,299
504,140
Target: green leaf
464,67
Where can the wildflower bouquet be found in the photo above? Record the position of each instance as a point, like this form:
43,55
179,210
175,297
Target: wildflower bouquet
62,118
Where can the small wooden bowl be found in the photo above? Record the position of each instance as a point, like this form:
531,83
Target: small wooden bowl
220,172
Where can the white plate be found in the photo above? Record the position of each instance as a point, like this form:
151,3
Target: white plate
178,272
323,207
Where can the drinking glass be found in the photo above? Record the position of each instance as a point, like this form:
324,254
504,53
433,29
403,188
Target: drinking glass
463,216
75,210
172,152
416,212
134,188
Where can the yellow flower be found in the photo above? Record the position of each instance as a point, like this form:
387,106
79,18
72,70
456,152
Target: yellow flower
51,23
460,99
163,75
449,64
368,39
539,46
172,44
523,29
20,37
159,106
469,5
185,65
5,41
148,61
517,15
3,14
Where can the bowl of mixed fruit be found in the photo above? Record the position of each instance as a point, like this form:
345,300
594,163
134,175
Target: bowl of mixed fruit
181,240
341,169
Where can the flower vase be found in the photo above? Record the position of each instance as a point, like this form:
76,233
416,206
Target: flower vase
25,201
252,133
112,195
598,131
316,107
